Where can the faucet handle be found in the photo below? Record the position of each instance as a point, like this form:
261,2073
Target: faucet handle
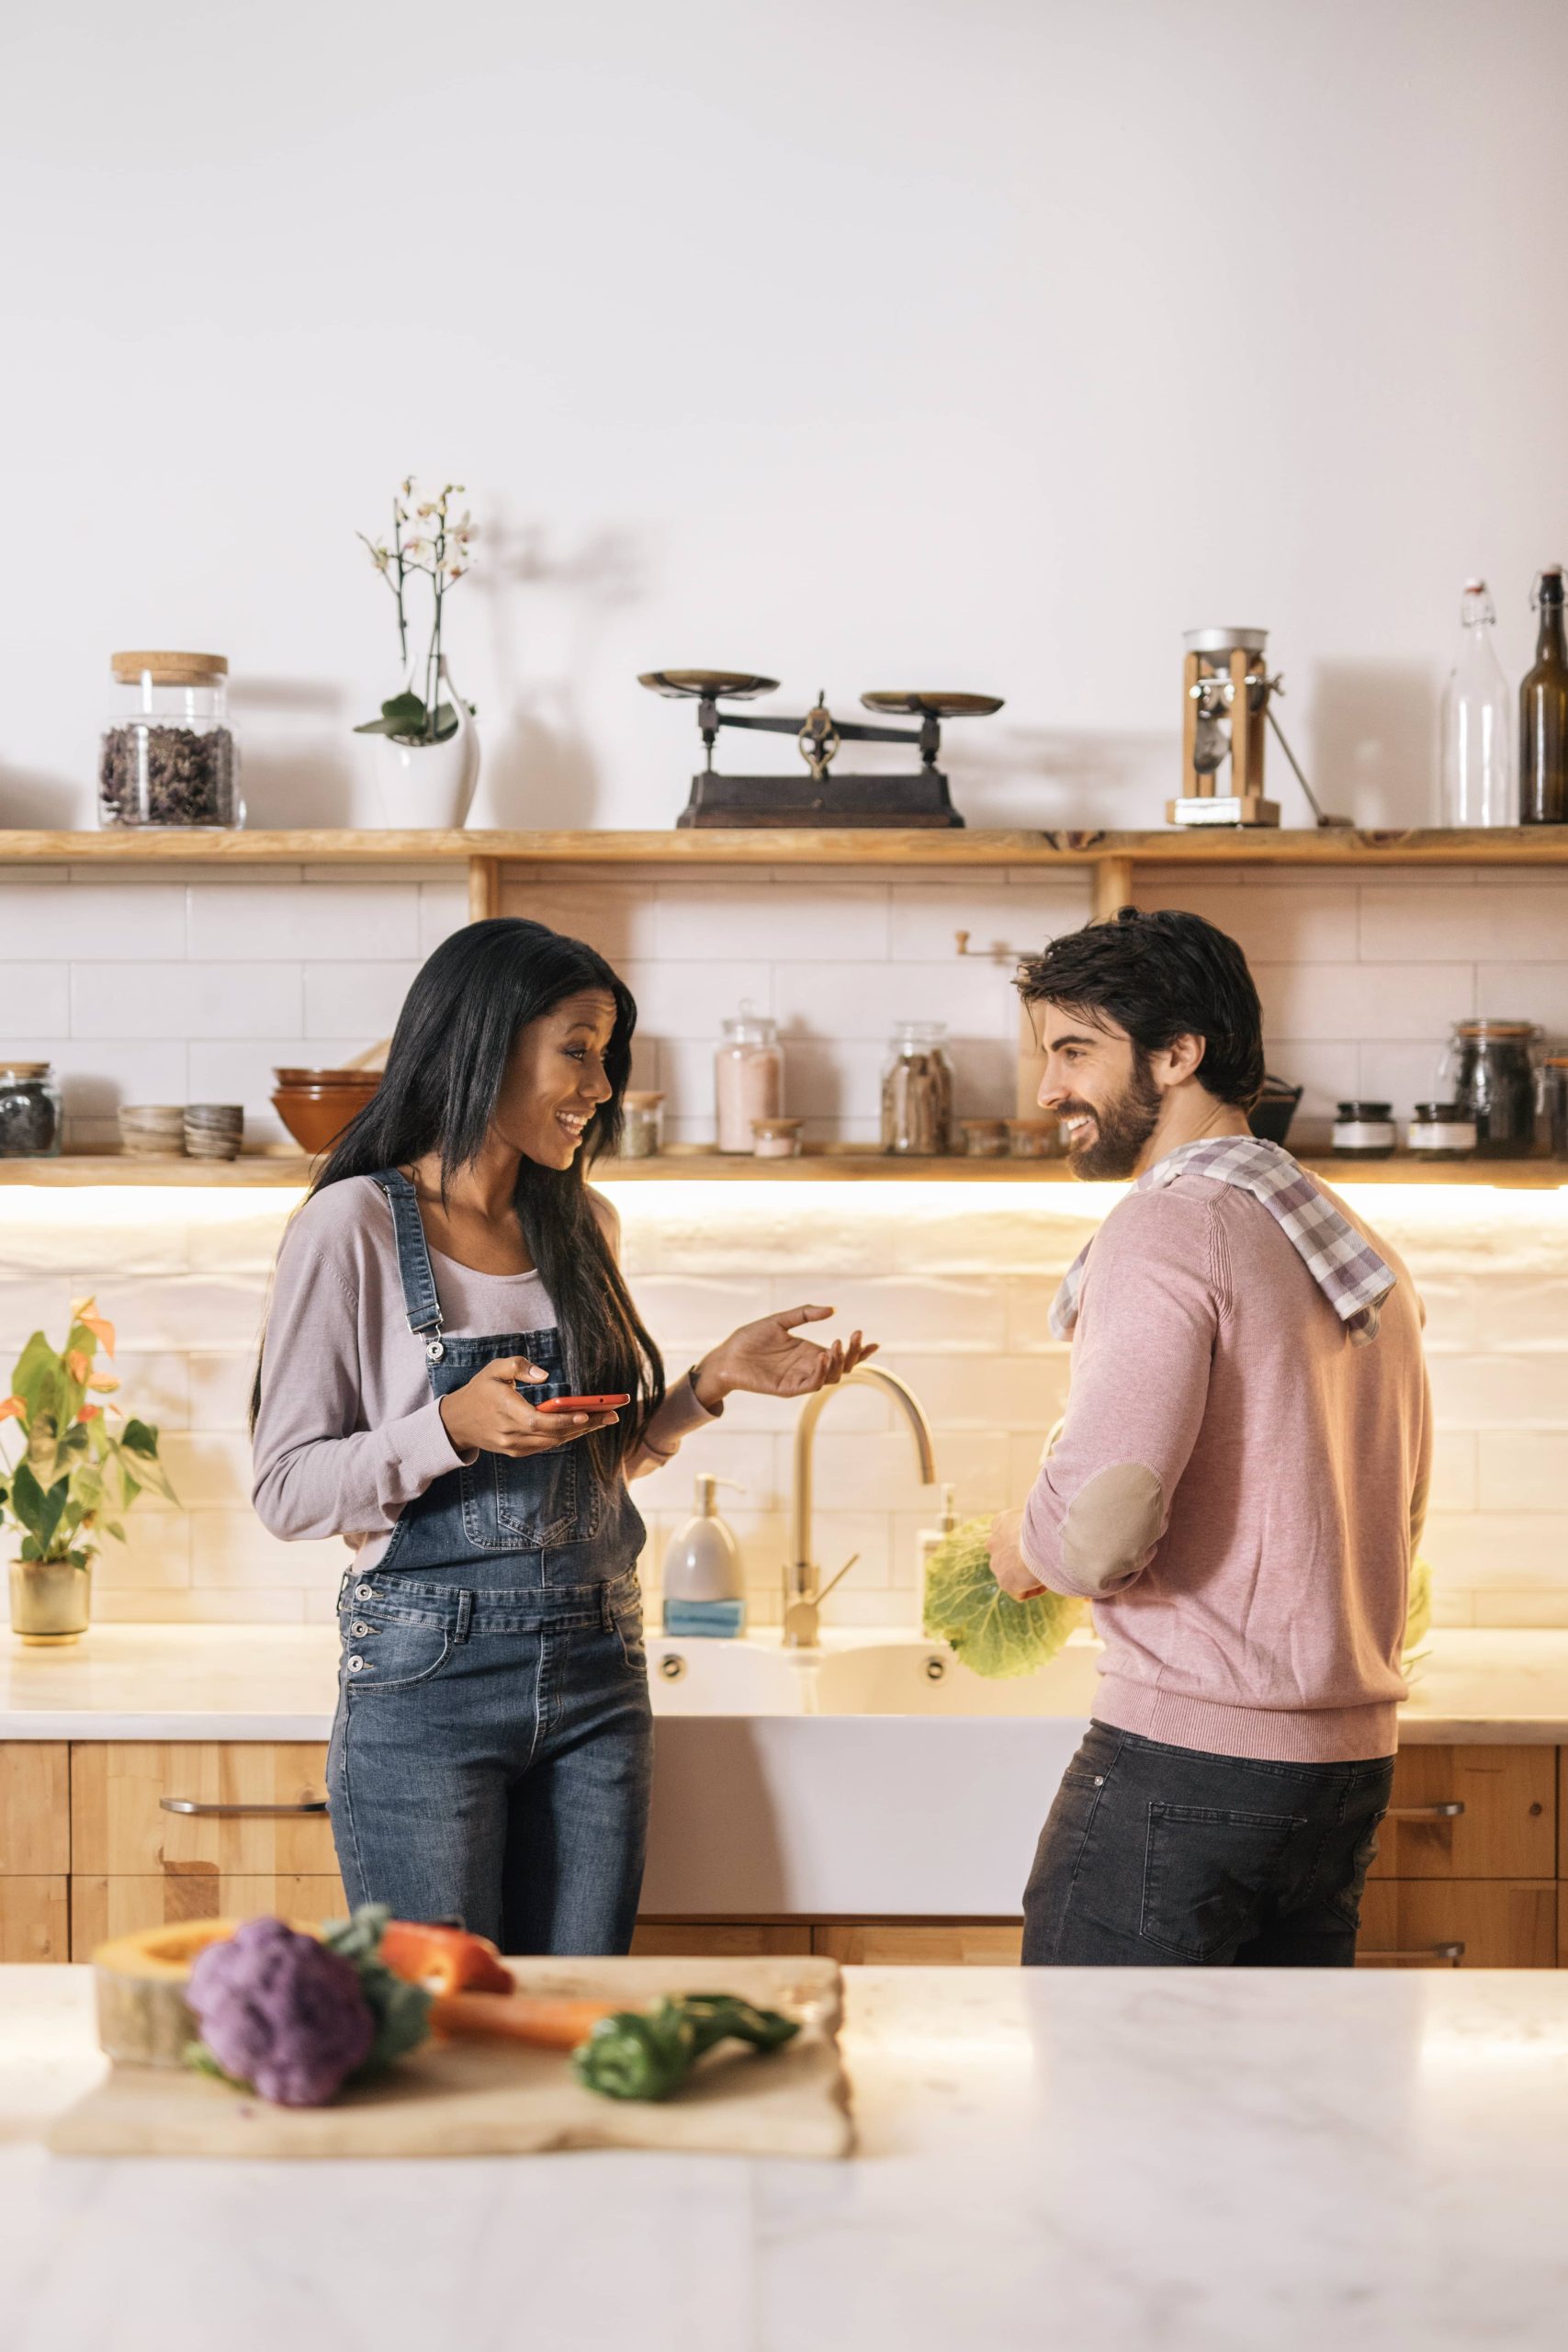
834,1582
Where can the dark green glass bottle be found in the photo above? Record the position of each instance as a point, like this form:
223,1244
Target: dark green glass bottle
1543,713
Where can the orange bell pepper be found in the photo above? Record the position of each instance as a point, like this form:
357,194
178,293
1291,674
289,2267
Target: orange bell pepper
444,1959
549,2021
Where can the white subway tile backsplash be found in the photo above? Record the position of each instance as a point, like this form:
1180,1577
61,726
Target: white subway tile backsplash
206,999
353,921
209,980
37,1002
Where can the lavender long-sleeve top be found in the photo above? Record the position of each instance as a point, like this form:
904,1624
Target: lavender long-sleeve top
348,1430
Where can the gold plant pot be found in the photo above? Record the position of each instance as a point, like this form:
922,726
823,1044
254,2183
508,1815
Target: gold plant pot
50,1600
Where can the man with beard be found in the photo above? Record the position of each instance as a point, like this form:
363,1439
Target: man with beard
1238,1484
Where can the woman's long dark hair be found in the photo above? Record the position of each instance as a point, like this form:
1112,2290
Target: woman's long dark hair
445,1067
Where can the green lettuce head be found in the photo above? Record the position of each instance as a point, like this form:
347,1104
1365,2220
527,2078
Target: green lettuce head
988,1629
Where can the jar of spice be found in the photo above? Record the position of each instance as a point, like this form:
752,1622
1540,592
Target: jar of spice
168,756
984,1138
1494,1083
776,1138
29,1110
1440,1131
642,1125
1364,1131
917,1091
1033,1138
747,1075
1555,1073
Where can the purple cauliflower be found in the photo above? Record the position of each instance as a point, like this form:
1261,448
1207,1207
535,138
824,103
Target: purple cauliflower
281,2012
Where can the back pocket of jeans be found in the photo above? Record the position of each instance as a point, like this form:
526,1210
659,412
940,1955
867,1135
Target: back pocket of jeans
1208,1873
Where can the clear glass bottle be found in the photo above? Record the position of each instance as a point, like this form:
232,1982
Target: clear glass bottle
1478,769
917,1091
168,755
747,1078
1543,712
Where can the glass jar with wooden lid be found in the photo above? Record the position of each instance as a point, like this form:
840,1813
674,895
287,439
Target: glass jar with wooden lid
168,755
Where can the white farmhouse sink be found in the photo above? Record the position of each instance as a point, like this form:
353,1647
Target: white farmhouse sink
852,1779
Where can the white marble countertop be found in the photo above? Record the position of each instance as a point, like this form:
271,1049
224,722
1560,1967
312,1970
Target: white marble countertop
277,1683
1198,2161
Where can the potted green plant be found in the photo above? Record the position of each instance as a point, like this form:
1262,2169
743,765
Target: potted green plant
427,752
74,1480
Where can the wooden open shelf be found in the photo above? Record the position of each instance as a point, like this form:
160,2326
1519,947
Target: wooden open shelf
836,1164
1217,845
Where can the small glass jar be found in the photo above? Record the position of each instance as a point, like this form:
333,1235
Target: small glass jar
776,1138
984,1138
167,756
747,1078
1494,1083
1554,1074
1033,1138
642,1125
1440,1131
917,1091
1364,1131
30,1123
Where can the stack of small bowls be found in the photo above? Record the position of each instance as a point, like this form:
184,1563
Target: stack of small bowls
214,1130
153,1130
315,1105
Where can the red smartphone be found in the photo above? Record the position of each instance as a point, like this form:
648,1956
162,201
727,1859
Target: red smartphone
579,1403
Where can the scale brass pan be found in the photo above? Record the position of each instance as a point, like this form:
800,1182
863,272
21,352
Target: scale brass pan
933,706
708,686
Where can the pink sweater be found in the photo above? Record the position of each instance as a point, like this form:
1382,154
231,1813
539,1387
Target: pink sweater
1237,1488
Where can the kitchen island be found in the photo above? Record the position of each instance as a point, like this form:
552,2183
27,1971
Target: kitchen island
1123,2160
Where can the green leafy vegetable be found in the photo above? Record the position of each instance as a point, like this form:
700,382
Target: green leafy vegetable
648,2053
1418,1608
401,2010
990,1630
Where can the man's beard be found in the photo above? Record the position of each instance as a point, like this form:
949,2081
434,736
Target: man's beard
1122,1128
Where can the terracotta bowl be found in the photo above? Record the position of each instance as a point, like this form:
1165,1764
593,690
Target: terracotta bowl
316,1116
360,1077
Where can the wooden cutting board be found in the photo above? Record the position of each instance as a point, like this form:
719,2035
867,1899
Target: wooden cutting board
482,2098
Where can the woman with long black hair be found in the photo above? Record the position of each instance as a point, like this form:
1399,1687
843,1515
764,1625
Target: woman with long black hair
451,1271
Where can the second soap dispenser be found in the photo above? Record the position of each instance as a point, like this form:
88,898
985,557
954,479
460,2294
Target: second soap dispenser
705,1584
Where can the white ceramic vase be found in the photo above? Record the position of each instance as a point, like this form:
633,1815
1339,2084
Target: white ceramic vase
425,786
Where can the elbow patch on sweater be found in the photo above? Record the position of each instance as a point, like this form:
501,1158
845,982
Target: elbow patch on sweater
1112,1524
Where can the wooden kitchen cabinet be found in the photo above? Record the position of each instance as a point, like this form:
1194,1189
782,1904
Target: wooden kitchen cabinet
103,1906
34,1919
1499,1923
258,1809
1505,1827
721,1939
35,1807
926,1943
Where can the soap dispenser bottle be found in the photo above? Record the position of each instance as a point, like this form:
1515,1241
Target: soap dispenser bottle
926,1543
704,1585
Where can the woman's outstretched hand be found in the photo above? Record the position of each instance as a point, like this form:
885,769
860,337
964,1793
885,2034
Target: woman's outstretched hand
766,1359
488,1415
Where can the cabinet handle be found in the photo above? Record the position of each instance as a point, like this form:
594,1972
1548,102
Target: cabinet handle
1452,1953
1450,1811
308,1807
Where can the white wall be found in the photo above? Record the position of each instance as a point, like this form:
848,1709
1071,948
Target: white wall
867,341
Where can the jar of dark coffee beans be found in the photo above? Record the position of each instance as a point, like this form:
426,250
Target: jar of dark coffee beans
168,757
29,1110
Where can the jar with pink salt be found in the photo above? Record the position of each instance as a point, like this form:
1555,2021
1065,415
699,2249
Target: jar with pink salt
747,1075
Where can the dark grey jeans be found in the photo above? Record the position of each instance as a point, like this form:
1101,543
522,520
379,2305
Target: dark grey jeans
1158,1857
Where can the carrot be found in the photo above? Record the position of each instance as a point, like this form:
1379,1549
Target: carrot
550,2022
444,1959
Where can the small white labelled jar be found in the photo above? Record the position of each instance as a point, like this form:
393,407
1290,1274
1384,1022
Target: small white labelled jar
1364,1131
1440,1131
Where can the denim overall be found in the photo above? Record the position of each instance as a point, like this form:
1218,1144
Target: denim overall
492,1752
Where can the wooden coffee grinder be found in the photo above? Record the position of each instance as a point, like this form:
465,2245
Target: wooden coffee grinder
1225,710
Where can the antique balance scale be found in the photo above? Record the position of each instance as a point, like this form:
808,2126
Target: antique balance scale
815,797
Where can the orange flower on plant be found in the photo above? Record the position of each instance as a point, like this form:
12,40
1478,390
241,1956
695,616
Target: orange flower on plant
78,1366
90,1413
11,1408
99,1326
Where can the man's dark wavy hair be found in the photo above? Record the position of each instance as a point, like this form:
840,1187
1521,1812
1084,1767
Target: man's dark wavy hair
1161,977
